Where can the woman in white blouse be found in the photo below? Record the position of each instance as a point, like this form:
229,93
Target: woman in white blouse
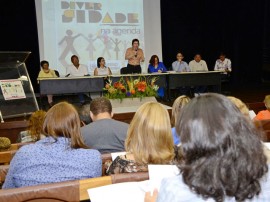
101,69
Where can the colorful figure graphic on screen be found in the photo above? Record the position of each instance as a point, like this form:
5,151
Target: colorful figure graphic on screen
69,39
107,45
90,48
116,48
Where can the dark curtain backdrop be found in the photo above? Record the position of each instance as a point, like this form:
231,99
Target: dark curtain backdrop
239,28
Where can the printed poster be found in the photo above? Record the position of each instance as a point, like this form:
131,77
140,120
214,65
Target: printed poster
12,89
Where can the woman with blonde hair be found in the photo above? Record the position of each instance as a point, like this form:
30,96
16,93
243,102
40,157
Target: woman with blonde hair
34,130
178,104
61,156
240,105
149,141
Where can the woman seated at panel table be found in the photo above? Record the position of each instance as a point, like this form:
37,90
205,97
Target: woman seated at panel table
149,141
61,156
155,65
101,69
46,72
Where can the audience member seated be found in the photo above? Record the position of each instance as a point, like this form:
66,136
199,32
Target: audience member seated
34,131
5,143
61,156
223,155
240,105
84,111
104,133
265,114
178,104
46,72
149,141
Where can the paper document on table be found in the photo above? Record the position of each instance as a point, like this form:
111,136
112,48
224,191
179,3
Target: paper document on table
115,154
158,172
121,192
133,191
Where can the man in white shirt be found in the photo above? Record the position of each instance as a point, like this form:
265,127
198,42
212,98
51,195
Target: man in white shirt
76,69
223,64
198,65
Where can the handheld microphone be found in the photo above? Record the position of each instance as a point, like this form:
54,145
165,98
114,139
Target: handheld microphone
136,52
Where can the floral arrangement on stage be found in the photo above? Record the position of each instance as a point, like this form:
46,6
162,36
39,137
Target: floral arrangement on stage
131,88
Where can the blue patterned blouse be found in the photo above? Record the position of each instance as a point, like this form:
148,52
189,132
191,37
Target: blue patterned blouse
49,161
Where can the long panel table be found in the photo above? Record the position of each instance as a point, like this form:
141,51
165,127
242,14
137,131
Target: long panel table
96,83
179,79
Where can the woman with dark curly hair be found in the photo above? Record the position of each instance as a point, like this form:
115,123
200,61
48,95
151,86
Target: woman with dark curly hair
223,155
155,65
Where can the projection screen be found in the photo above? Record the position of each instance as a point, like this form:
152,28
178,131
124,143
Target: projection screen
92,29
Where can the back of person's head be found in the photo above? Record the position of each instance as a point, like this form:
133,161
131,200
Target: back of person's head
84,114
267,101
62,120
149,137
100,105
223,155
240,105
35,124
5,143
178,104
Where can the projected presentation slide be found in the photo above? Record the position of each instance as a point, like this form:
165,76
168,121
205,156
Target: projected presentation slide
88,29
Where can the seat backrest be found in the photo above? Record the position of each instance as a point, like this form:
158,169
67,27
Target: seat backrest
107,180
12,129
56,73
61,191
124,70
129,177
3,173
256,106
6,156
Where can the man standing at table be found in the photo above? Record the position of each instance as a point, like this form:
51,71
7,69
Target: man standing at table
76,69
135,56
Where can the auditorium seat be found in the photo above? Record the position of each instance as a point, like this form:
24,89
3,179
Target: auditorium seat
256,106
62,191
6,156
12,129
67,191
264,125
3,173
